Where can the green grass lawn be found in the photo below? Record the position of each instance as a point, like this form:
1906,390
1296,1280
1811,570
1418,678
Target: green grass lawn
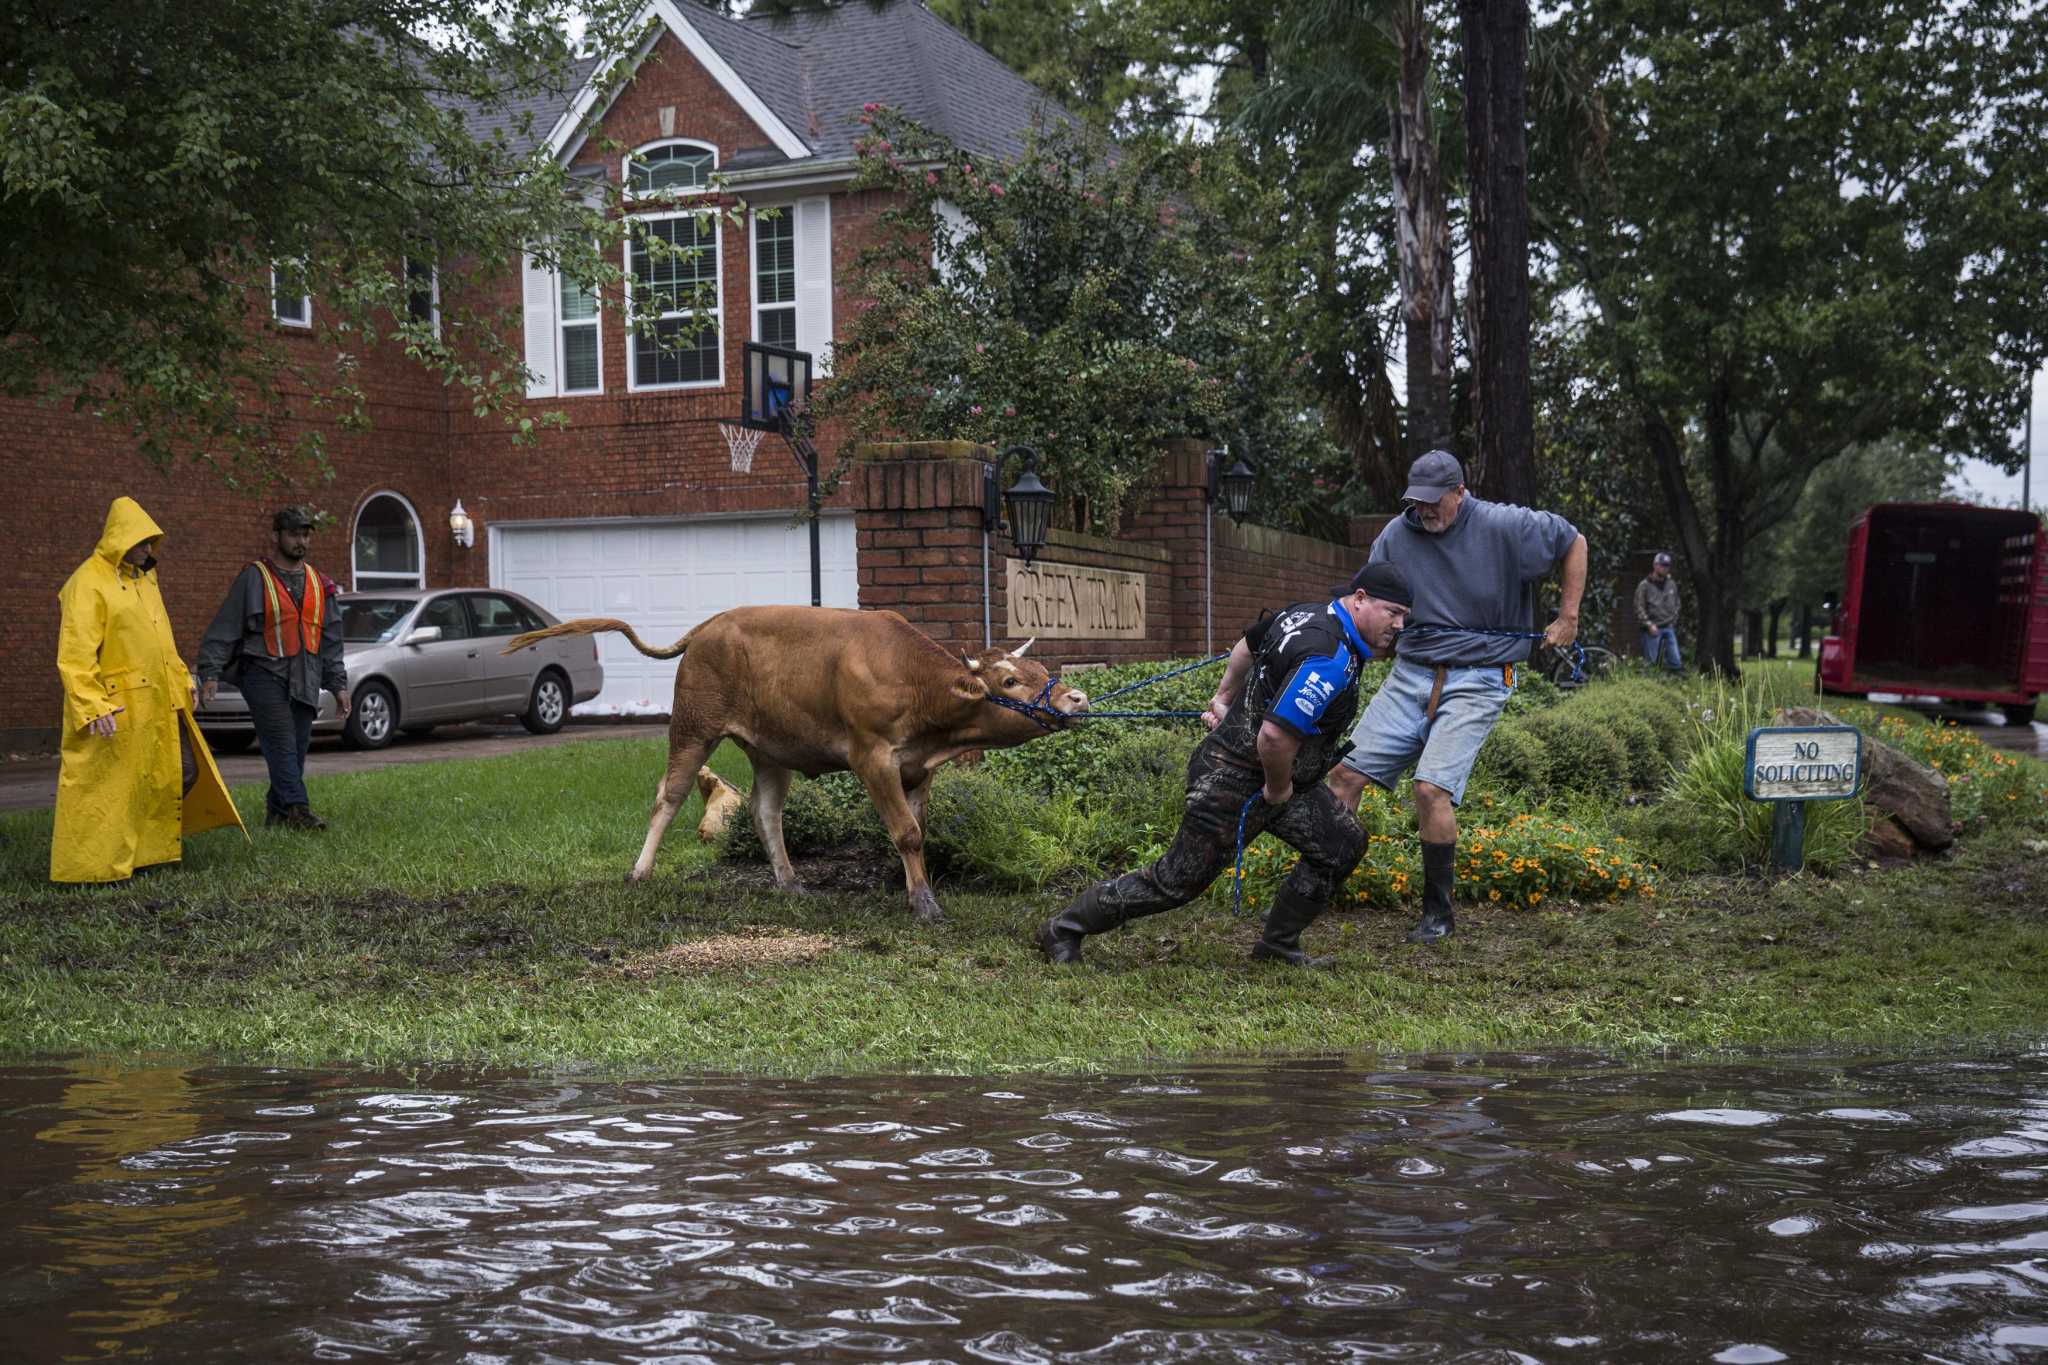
561,815
473,911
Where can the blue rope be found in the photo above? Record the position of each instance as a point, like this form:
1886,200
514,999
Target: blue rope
1162,677
1038,707
1237,876
1578,650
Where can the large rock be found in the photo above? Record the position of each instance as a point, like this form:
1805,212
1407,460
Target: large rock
1885,839
1903,787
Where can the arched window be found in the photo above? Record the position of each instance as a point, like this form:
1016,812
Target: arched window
389,551
670,167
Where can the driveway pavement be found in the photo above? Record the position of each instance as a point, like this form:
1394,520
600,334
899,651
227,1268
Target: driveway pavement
29,783
1988,726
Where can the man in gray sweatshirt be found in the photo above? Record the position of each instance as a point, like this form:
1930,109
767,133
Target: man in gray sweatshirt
1657,614
1474,566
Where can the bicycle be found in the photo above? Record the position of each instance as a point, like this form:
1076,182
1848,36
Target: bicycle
1568,670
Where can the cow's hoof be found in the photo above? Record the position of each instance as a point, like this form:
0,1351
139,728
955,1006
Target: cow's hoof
924,907
794,889
635,877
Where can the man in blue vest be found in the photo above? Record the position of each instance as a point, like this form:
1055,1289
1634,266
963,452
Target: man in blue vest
1475,565
278,638
1277,723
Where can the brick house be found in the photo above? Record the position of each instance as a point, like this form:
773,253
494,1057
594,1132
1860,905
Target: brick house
634,509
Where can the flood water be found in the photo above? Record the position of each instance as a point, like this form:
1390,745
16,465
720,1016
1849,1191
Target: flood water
1484,1209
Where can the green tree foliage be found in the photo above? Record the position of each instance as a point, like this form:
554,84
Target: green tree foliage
1352,80
157,157
1801,561
1801,229
1086,304
1101,59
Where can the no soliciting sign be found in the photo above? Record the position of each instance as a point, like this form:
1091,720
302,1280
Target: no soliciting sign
1804,763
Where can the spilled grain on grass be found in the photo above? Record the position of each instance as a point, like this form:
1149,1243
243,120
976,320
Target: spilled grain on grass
749,948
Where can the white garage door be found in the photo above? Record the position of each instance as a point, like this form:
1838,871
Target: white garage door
664,578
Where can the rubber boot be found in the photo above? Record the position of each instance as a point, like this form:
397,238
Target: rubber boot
1292,912
1059,938
1439,874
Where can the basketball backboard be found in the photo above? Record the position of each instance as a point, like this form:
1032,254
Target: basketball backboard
772,379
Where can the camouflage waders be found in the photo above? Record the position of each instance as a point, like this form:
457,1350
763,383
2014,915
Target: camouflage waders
1313,822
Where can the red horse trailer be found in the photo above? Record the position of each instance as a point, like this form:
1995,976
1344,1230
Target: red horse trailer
1943,600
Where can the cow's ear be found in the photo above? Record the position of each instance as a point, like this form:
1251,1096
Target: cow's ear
973,664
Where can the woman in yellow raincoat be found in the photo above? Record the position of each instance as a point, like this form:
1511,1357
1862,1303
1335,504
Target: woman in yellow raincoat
121,798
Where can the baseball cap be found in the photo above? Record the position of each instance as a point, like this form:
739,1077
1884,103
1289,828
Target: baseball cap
291,518
1382,580
1432,476
1663,557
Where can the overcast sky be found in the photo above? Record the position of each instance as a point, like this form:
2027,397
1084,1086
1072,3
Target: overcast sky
1982,483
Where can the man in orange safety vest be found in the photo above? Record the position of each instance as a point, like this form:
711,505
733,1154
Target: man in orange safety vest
278,638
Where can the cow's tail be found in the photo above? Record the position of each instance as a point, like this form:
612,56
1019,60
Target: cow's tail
595,625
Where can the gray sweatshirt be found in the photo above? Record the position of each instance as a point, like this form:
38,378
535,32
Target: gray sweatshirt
1482,571
1657,603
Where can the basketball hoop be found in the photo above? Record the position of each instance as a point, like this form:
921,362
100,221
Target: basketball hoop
742,442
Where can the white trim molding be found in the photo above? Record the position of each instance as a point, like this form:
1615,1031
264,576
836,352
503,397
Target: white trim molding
419,540
568,133
666,195
305,318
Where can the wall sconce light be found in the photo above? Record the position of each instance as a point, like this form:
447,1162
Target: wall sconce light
461,527
1028,503
1234,485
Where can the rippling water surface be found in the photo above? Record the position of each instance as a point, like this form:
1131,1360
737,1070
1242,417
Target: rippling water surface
1497,1208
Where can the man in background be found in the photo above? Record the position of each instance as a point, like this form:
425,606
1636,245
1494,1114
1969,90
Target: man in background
1657,613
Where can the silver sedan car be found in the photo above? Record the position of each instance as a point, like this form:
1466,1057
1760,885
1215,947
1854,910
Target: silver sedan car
418,658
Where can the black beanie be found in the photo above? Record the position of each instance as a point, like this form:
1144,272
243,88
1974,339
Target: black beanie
1384,581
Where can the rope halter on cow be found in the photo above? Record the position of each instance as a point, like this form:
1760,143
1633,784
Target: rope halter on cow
1041,704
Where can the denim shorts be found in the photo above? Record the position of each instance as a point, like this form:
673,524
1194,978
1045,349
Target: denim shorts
1396,731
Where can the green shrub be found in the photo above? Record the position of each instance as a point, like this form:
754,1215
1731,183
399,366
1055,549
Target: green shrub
1533,692
982,825
1984,786
1580,753
1651,727
1707,821
1084,758
1513,760
821,814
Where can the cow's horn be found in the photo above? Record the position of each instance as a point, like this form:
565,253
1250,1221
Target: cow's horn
973,665
1018,652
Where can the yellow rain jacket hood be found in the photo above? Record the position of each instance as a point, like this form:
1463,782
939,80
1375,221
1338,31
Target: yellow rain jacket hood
120,798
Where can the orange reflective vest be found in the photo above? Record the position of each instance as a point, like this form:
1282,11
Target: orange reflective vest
289,626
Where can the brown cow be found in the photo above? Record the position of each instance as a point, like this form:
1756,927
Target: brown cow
816,690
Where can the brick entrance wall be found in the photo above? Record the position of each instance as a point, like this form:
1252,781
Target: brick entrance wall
918,509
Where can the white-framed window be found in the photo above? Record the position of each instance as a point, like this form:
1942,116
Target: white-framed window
684,347
581,358
564,346
792,278
389,551
775,277
292,309
677,166
423,291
